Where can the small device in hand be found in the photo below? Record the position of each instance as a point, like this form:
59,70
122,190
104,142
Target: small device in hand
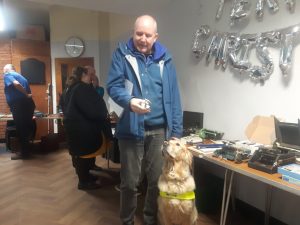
146,104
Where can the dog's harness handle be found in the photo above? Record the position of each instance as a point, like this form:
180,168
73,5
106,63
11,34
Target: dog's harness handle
185,196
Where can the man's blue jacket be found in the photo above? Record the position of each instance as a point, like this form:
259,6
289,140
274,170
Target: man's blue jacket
123,71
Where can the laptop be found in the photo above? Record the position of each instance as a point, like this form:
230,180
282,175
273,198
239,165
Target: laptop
192,122
287,135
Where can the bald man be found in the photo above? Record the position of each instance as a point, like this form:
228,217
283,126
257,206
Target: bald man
19,99
142,80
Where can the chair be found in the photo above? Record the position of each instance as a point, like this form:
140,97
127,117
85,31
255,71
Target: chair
11,132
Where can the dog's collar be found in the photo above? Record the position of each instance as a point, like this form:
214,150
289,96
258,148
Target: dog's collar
185,196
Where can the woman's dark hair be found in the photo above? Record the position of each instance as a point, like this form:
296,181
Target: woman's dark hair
76,76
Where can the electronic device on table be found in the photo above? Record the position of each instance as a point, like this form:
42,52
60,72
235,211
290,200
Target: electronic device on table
232,153
192,122
192,139
210,134
285,150
288,136
268,159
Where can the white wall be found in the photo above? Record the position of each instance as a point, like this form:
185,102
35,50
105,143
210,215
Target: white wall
100,31
120,29
229,102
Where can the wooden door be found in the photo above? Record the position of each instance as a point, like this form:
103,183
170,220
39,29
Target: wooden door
63,69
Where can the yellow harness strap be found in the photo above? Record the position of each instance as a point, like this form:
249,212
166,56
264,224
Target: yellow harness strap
185,196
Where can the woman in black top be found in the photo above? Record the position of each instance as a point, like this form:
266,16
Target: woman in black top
86,123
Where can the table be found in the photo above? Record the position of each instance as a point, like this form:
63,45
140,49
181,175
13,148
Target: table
57,116
272,180
9,117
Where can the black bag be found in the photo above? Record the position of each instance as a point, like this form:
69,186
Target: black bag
50,142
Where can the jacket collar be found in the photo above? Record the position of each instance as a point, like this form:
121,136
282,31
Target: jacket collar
159,51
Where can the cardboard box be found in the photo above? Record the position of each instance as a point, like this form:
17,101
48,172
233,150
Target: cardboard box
261,130
291,170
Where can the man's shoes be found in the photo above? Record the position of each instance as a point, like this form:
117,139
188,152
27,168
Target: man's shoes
18,156
89,185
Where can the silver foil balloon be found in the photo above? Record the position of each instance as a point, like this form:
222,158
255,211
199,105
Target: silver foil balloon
196,43
236,47
223,52
246,45
256,73
212,51
200,34
239,55
220,9
273,5
205,31
220,48
260,8
239,10
290,5
262,73
285,59
295,30
233,46
271,38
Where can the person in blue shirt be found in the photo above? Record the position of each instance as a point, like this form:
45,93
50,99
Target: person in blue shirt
96,85
19,99
142,80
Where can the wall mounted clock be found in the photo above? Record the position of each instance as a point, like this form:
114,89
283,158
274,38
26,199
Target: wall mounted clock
74,46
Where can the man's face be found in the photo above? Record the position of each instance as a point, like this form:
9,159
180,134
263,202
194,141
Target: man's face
144,36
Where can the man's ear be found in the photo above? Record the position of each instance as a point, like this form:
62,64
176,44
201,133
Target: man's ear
156,37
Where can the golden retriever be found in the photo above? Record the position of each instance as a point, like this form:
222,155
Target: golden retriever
176,202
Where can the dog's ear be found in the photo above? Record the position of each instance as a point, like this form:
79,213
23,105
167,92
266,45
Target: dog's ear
190,159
